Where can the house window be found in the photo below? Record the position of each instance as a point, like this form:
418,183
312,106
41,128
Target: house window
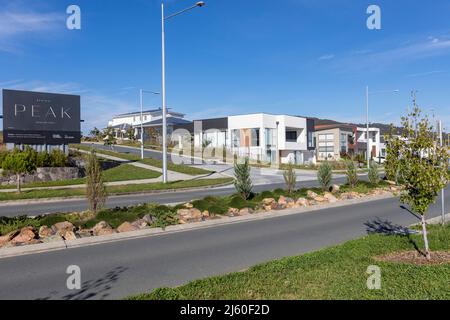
291,136
310,140
255,137
236,138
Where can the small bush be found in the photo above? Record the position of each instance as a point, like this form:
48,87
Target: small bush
352,174
325,175
243,182
374,175
58,158
239,203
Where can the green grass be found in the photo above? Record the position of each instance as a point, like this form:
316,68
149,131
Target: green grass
112,190
334,273
149,161
123,172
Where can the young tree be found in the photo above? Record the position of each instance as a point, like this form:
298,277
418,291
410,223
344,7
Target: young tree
392,163
19,163
325,175
95,133
374,175
242,180
95,188
422,167
290,178
109,138
352,173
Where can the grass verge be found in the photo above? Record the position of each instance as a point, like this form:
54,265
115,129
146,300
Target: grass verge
113,190
334,273
149,161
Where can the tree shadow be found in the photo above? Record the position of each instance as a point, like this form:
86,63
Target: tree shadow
386,227
94,289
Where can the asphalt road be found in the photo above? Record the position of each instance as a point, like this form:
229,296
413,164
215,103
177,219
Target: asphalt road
59,206
116,270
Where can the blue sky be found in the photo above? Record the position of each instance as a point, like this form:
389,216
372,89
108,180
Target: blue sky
301,57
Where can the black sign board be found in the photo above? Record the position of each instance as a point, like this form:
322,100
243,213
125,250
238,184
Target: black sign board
40,118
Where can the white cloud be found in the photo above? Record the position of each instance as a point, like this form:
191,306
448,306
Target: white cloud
326,57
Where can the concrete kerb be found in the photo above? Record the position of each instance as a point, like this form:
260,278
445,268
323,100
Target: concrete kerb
60,245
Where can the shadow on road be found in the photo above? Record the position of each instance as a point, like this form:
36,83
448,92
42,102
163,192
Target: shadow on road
93,289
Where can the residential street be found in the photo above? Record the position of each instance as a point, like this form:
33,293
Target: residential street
116,270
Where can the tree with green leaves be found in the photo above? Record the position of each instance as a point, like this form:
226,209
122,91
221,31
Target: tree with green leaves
109,138
352,173
242,180
422,166
95,188
374,174
19,163
325,175
95,133
290,178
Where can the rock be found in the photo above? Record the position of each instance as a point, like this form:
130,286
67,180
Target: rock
311,195
268,208
335,188
62,227
86,233
392,183
285,201
188,205
106,232
330,197
205,214
190,215
8,237
26,235
233,212
350,196
45,232
268,201
320,199
127,227
53,238
69,236
102,228
149,219
302,202
245,211
140,224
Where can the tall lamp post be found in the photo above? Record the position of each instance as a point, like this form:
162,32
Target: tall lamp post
367,114
163,49
141,94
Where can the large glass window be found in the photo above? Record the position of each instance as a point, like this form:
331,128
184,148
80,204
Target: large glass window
236,138
255,137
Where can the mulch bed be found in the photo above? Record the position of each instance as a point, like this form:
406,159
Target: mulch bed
416,258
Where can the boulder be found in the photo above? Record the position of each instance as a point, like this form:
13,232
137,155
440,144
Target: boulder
268,201
140,224
320,199
188,205
62,227
392,183
335,188
45,232
8,237
233,212
69,236
206,214
189,215
331,198
245,211
102,228
149,219
350,196
26,235
85,233
285,201
302,202
311,194
127,227
53,238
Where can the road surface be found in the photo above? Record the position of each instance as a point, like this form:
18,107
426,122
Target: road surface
116,270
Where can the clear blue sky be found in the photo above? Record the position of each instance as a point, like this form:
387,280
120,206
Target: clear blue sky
306,57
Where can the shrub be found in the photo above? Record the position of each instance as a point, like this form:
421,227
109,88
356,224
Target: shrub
352,174
19,163
95,188
374,175
43,160
58,158
243,182
239,203
290,178
325,175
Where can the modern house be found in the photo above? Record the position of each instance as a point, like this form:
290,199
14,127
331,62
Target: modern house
261,137
335,140
375,145
151,121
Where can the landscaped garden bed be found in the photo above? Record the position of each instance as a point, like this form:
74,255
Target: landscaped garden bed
23,230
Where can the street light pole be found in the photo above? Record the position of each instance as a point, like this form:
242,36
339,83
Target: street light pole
164,111
367,118
441,138
163,53
141,92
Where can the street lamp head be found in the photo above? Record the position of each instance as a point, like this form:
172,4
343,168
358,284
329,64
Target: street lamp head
200,4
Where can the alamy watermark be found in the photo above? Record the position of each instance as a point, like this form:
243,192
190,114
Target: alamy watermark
374,279
73,21
73,282
374,20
